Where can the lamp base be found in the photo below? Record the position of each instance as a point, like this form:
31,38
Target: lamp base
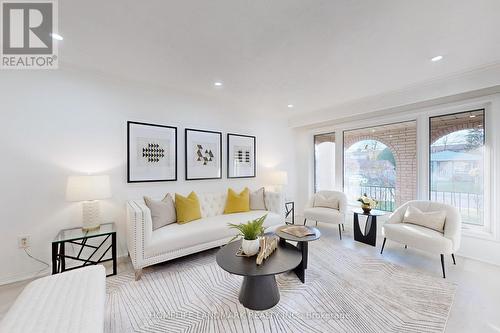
90,215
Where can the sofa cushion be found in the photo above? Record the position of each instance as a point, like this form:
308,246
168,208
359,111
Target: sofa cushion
257,201
237,202
418,237
162,212
187,208
432,220
322,214
178,236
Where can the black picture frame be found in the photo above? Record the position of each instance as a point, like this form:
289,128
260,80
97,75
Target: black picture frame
130,178
186,166
228,143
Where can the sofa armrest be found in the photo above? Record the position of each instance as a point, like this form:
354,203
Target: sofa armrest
139,231
275,202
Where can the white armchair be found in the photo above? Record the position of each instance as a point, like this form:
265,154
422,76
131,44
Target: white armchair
422,238
327,207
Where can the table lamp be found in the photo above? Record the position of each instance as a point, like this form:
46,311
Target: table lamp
89,190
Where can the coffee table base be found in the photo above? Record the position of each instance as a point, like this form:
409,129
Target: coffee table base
259,292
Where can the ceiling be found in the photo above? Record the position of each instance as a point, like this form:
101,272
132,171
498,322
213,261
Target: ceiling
268,54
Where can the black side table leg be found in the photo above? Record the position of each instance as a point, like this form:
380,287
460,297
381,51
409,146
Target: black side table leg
300,270
54,258
113,252
62,257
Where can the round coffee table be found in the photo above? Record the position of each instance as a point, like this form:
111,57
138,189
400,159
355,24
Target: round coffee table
302,245
259,290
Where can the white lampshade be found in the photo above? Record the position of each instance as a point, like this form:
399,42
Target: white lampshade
280,178
86,188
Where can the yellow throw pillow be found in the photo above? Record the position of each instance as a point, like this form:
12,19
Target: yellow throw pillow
187,208
237,203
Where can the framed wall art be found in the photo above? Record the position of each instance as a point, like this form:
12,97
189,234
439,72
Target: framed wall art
203,154
151,153
240,156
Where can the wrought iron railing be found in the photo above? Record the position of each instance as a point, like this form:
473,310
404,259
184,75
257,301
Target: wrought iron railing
386,196
470,205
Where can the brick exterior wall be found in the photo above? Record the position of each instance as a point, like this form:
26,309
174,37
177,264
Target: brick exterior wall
445,127
402,141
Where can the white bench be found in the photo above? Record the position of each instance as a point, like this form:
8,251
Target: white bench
72,301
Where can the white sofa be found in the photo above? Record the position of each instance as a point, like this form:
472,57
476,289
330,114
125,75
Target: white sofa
327,215
147,247
422,238
72,301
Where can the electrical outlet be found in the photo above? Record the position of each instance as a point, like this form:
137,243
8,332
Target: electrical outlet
24,241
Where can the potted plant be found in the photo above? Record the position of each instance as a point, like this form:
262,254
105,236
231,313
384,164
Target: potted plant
250,233
367,203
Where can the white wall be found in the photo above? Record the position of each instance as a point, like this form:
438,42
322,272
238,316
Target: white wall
484,246
65,122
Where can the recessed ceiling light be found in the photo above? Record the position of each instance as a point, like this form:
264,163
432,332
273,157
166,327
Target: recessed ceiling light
472,116
56,36
218,84
290,106
437,58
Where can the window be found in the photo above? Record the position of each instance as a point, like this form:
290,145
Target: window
324,162
381,162
457,163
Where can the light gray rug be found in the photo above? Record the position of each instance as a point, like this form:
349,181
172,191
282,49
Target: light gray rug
344,292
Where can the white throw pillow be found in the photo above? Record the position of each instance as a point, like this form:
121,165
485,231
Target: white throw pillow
162,212
257,201
432,220
321,200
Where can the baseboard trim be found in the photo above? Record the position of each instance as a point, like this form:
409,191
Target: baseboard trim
28,277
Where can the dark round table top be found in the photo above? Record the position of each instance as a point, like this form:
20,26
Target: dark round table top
284,235
285,258
373,212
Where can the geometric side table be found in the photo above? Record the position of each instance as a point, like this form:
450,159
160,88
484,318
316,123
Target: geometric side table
369,236
102,250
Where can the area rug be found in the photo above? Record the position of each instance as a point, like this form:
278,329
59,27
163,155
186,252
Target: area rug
344,292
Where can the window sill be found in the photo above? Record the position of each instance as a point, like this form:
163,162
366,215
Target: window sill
479,233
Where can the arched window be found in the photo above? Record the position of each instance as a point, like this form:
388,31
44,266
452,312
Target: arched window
370,167
457,163
324,162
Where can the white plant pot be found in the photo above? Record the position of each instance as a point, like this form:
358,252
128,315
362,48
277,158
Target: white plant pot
250,247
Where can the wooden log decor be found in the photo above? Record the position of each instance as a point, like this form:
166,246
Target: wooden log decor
267,247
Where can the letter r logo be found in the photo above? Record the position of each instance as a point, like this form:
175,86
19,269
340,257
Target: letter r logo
27,27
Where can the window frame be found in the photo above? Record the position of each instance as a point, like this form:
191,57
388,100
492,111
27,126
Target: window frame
383,122
334,134
487,230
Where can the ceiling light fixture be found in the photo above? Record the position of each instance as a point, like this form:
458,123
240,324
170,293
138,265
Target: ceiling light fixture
218,84
290,106
437,58
56,36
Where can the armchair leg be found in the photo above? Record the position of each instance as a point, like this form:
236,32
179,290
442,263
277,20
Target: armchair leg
383,244
453,257
442,266
305,220
316,223
343,227
340,232
406,246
